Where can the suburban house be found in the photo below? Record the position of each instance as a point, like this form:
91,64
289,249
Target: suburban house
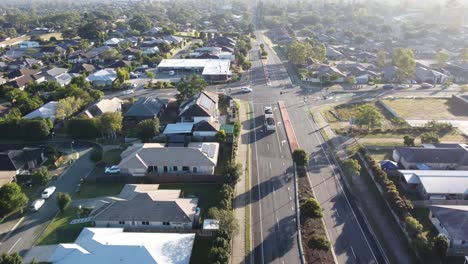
45,111
210,69
22,81
83,68
458,71
29,44
144,206
114,42
437,184
18,162
113,245
202,106
318,73
452,222
103,77
104,106
146,108
196,158
433,156
333,54
424,74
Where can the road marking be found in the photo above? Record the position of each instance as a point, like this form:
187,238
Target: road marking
269,164
12,229
14,245
292,208
352,250
268,146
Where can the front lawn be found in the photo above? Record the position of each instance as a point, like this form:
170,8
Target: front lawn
112,157
201,247
208,194
93,190
60,231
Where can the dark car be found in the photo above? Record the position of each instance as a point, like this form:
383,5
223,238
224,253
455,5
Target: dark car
387,87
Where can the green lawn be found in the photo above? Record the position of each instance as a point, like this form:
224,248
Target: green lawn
112,157
201,247
60,231
224,157
92,190
427,108
208,194
382,154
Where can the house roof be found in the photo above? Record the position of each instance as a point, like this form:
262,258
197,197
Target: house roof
434,155
105,75
453,218
146,107
113,245
209,66
78,68
178,128
206,126
45,111
19,159
202,104
438,181
53,72
145,155
104,106
21,72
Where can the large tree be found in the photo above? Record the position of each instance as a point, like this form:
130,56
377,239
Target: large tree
442,58
405,61
352,166
147,129
298,52
63,200
11,198
111,123
227,221
189,86
368,115
300,157
141,23
122,74
67,107
13,258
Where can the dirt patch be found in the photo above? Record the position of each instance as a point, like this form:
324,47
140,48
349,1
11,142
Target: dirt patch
312,226
428,108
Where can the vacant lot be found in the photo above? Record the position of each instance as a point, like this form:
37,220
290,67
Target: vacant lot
427,108
340,115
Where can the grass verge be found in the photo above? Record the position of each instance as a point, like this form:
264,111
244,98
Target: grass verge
247,197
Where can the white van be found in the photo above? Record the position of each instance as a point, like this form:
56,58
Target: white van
36,205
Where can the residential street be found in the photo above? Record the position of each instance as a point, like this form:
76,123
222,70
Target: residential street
31,227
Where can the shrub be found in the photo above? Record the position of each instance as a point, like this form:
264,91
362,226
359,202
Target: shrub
428,138
237,128
96,155
319,242
300,157
63,200
41,176
311,208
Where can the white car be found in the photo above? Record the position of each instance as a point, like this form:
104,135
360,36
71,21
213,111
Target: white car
403,86
48,192
246,89
36,205
171,73
268,111
426,85
112,170
127,92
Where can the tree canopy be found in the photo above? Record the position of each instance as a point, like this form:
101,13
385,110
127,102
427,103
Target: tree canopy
368,115
147,129
405,61
189,86
11,198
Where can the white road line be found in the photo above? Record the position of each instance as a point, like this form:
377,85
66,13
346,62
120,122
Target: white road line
269,165
352,250
14,245
258,189
17,224
268,146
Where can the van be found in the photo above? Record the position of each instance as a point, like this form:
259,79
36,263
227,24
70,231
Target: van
36,205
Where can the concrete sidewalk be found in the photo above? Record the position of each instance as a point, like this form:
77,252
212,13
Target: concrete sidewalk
239,203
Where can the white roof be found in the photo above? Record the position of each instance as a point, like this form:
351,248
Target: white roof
178,128
215,67
209,66
45,111
113,41
210,224
103,75
112,245
438,181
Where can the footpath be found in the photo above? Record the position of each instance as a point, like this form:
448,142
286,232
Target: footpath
239,203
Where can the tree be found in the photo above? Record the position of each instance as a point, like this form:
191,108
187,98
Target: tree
298,52
83,128
63,200
111,123
440,246
141,23
189,86
429,138
381,58
300,157
67,107
11,198
368,115
227,222
405,61
232,173
351,79
122,74
352,166
221,136
147,129
408,141
311,208
442,58
41,176
13,258
413,227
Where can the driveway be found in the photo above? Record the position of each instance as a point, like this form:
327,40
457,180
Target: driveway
32,225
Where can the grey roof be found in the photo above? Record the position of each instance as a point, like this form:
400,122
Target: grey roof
206,126
202,104
27,158
434,155
453,218
143,208
146,107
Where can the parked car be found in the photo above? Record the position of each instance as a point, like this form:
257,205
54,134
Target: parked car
127,92
403,86
48,192
246,89
426,85
112,170
268,110
36,205
387,87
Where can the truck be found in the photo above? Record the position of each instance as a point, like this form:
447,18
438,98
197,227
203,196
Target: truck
270,125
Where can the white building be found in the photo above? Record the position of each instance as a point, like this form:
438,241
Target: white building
29,44
103,77
46,111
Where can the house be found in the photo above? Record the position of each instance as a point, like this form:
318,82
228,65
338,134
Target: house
120,64
84,57
144,206
154,30
81,68
210,69
52,73
64,79
437,184
205,129
201,107
114,42
105,77
113,245
130,53
319,73
19,162
53,50
29,44
104,106
333,54
459,72
196,158
22,72
150,50
451,221
435,157
22,81
146,108
427,75
45,111
173,39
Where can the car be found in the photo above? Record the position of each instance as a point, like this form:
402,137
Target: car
171,73
268,110
127,92
426,85
134,85
387,87
36,205
112,170
48,192
403,86
246,89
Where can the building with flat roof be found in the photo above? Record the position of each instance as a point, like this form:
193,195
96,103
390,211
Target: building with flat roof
452,221
448,184
210,69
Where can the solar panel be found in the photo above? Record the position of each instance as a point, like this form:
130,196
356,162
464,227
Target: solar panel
205,148
206,102
212,151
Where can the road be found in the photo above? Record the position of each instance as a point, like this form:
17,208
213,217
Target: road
23,236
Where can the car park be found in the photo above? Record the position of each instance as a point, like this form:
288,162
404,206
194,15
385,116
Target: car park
36,205
112,170
48,192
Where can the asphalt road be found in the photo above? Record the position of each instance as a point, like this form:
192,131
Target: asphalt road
23,236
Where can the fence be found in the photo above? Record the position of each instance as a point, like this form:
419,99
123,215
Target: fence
162,178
